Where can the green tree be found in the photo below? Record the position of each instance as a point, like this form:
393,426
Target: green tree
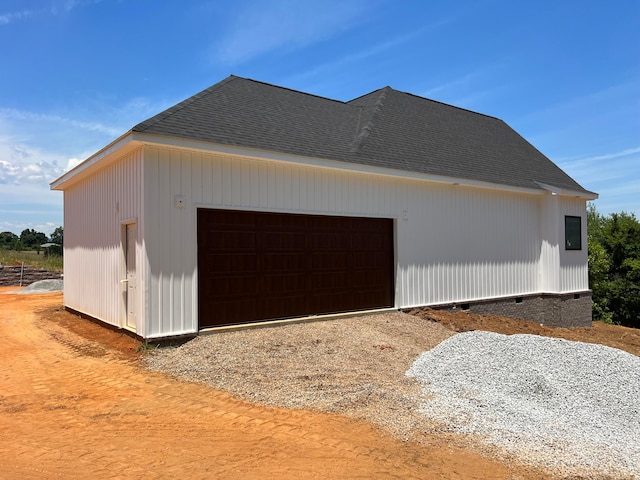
32,239
621,240
614,266
7,239
57,236
599,265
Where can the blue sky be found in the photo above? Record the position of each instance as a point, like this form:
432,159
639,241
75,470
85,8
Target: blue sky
76,74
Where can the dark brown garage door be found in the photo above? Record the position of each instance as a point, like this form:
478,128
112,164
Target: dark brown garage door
259,265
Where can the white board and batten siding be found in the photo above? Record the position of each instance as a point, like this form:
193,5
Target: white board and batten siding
561,270
574,272
96,211
454,243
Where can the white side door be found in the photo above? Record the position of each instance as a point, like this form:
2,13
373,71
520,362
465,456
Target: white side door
130,278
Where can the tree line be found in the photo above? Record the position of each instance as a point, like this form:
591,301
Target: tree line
614,266
29,239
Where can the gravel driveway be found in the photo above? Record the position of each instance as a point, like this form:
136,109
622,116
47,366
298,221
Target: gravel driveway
356,366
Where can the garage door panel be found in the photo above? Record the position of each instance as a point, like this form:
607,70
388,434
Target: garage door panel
234,310
330,281
337,302
284,284
283,241
234,286
330,261
283,306
259,265
280,222
233,262
234,218
365,279
362,300
232,240
284,262
371,241
329,223
330,241
367,260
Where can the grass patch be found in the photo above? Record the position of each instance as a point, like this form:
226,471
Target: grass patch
145,347
31,258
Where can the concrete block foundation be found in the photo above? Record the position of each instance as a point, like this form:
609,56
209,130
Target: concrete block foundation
558,310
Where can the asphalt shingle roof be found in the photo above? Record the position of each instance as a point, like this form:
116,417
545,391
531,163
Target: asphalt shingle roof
385,128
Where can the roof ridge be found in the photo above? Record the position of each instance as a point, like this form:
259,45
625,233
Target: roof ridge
179,106
446,104
364,132
188,101
368,93
293,90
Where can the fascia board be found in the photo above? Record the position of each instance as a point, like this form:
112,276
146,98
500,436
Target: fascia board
120,146
568,193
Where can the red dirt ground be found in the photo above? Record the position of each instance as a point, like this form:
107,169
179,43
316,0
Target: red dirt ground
623,338
76,403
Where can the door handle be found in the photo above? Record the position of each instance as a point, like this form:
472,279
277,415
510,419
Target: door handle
124,281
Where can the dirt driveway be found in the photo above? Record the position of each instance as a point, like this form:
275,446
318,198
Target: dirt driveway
74,403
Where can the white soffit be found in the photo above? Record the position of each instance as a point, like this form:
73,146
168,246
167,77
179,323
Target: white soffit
100,159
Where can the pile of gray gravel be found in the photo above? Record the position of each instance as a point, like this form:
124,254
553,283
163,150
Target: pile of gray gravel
42,286
571,406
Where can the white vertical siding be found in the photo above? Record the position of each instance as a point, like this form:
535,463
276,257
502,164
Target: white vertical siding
561,270
94,253
574,274
461,244
550,231
457,243
171,240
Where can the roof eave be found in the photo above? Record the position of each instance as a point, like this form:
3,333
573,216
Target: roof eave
584,194
189,144
119,146
132,140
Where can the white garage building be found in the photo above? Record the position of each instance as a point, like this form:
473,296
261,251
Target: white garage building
249,202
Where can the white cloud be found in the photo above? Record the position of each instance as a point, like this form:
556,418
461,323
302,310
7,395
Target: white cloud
594,111
604,166
20,173
611,156
10,17
11,114
72,163
29,204
321,71
610,174
38,147
476,89
43,139
54,9
71,4
16,227
454,84
266,26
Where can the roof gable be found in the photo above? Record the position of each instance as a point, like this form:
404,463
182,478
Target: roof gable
385,128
